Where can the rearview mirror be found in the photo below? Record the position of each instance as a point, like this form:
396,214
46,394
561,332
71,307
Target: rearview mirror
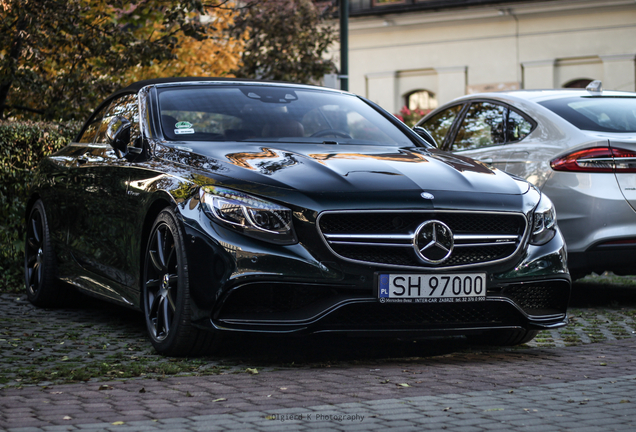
118,135
425,135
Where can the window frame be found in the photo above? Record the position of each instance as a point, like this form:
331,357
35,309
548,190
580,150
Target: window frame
112,103
454,129
101,109
451,130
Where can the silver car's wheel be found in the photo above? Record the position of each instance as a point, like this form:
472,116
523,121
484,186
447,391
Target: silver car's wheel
39,260
166,292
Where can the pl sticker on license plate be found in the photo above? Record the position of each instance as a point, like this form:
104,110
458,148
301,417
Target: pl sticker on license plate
426,288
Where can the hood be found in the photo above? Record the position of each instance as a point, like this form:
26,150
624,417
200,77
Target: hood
326,168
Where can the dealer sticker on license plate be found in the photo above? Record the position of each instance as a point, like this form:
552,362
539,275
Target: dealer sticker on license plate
427,288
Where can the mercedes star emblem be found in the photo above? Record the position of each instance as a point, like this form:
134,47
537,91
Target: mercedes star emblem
433,242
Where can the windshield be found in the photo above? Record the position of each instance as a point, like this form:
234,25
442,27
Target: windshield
272,113
602,114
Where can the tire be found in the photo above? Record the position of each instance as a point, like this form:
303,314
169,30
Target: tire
40,267
165,292
504,337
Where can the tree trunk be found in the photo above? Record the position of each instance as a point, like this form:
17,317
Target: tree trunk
14,57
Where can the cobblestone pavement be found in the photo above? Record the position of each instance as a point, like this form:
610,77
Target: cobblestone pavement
90,367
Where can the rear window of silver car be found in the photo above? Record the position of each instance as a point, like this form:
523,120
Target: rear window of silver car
594,113
272,113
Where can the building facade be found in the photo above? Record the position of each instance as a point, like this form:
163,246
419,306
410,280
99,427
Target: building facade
427,52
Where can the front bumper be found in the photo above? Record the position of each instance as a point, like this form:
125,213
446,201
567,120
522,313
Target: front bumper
239,285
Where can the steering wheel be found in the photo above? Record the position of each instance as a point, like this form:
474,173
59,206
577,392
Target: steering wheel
326,132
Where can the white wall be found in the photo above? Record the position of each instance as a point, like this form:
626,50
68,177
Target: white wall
532,45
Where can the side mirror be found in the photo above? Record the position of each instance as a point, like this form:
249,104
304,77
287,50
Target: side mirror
118,135
425,135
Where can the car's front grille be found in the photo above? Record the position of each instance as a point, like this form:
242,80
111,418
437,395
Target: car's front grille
422,316
379,237
539,298
263,299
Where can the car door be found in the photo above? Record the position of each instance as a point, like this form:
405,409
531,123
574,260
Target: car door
100,230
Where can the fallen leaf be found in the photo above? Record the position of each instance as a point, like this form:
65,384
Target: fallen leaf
56,392
403,385
494,409
270,417
447,409
283,388
105,387
625,401
117,423
602,364
188,394
219,400
385,381
252,371
143,390
511,391
67,418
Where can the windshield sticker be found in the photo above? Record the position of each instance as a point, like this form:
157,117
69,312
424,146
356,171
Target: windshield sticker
183,131
183,125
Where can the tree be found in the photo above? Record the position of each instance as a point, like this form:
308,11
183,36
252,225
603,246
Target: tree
215,55
59,58
285,40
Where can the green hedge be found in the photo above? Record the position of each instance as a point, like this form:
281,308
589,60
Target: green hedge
22,146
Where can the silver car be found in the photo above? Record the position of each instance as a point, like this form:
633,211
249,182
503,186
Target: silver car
577,146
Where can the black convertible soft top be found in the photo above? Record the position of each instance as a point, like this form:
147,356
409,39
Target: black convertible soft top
136,86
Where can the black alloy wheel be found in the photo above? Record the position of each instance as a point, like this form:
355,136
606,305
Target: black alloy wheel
166,292
39,260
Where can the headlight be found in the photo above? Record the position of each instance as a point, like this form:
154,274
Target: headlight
252,216
543,222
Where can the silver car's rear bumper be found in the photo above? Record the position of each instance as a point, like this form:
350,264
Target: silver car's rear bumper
595,219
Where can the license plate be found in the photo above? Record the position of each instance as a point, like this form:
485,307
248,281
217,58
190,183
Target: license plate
426,288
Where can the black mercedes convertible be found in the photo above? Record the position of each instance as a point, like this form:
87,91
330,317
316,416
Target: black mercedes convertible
218,206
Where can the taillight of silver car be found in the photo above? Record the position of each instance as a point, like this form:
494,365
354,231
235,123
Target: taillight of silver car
598,160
